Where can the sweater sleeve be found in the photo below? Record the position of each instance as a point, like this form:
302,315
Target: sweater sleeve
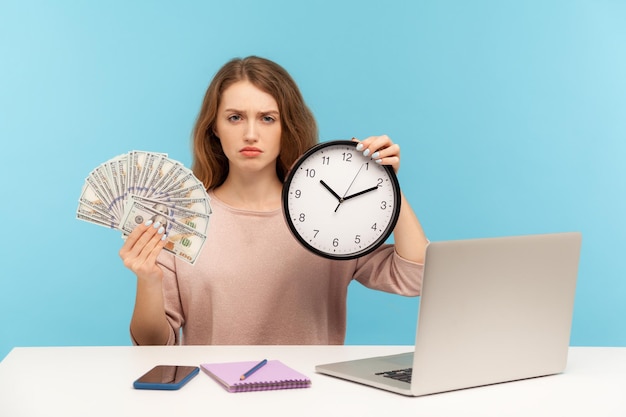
171,297
385,270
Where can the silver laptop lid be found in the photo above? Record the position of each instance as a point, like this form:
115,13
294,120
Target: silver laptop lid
494,310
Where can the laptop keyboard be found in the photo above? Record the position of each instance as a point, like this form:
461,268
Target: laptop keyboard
398,374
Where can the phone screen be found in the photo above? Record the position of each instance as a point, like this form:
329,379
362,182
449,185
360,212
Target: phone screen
166,377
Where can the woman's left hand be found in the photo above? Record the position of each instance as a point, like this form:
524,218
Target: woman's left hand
381,149
409,239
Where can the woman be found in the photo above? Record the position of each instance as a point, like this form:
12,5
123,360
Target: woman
253,283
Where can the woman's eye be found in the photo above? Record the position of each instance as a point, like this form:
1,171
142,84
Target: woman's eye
234,118
268,119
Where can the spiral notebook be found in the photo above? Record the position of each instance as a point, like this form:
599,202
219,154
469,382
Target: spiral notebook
274,375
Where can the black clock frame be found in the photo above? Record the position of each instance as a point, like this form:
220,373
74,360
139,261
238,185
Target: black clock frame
369,249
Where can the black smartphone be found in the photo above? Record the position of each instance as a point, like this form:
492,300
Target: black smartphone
167,377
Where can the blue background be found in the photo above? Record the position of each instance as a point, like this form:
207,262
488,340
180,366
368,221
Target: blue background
511,117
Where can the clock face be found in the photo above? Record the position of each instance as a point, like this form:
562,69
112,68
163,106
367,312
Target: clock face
338,203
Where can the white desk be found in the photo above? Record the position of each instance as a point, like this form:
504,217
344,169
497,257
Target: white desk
97,381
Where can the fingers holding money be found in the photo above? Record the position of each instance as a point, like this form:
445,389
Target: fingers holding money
142,247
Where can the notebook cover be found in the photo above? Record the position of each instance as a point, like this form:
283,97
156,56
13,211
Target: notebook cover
274,375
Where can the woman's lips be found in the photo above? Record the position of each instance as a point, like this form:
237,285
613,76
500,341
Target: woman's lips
250,151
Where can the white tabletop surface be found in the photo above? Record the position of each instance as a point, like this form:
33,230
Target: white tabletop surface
97,381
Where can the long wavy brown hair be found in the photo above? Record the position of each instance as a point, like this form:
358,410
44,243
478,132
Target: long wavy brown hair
298,126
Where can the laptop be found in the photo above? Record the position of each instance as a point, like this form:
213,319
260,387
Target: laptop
492,310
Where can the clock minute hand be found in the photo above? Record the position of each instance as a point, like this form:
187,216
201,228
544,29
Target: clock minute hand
361,192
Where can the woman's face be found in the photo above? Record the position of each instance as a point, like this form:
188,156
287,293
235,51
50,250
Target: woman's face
248,126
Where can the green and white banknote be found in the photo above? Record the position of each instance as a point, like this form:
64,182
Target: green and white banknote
132,188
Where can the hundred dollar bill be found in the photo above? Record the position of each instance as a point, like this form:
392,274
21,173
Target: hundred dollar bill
90,198
93,192
95,219
139,163
172,177
193,204
162,168
92,213
196,220
170,171
147,172
136,161
143,168
197,204
186,179
194,191
182,240
116,168
101,177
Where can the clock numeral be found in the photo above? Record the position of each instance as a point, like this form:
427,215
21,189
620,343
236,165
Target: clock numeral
302,217
383,205
357,239
325,160
335,242
310,172
298,193
374,227
316,232
380,181
347,156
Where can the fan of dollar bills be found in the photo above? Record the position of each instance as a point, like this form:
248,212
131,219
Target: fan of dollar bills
138,186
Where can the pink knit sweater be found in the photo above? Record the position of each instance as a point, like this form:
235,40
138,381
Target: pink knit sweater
254,283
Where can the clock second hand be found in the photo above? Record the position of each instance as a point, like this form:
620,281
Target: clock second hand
353,179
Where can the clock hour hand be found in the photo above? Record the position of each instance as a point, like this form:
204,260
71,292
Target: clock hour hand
331,191
339,199
361,192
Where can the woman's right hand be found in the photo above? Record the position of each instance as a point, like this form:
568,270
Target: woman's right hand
148,325
140,251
